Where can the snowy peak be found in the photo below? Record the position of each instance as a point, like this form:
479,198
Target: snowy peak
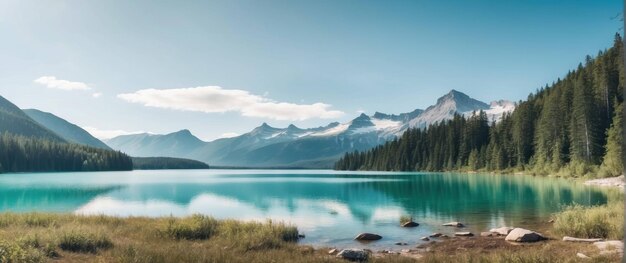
454,102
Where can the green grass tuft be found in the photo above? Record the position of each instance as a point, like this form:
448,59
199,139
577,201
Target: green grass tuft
84,243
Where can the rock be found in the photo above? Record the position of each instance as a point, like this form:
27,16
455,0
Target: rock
524,235
588,240
455,224
367,237
333,212
436,235
610,246
332,251
503,231
410,224
301,236
354,254
425,239
400,244
581,255
463,234
487,234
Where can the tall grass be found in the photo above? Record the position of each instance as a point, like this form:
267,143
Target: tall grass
84,243
606,221
603,221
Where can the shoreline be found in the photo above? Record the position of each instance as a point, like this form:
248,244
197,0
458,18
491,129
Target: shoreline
617,182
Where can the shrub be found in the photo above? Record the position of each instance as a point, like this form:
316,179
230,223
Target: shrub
84,243
606,221
11,252
405,219
191,228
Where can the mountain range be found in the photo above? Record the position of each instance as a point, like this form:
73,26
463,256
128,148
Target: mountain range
320,147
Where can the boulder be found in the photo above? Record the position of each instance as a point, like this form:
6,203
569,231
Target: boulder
523,235
435,235
454,224
410,224
587,240
367,237
463,234
503,231
425,239
354,254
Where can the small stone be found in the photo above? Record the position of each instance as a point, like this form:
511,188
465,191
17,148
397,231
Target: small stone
463,234
581,255
368,237
354,254
436,235
400,244
425,239
454,224
610,246
587,240
502,231
410,224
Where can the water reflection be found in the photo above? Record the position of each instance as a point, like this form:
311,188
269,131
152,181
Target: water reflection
318,202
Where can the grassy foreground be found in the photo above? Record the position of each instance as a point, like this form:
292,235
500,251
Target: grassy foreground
46,237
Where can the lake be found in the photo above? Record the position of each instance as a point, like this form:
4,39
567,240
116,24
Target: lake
329,207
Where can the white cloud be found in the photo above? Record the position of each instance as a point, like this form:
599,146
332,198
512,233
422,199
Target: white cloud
214,99
97,94
108,134
53,83
229,135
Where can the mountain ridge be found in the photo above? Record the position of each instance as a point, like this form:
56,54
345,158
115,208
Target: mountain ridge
290,146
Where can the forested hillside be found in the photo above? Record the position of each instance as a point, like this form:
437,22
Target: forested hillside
14,120
27,154
571,127
27,146
68,131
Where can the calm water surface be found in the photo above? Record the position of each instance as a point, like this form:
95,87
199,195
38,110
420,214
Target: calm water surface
330,207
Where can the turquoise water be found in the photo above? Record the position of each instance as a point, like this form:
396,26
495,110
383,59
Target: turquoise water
330,207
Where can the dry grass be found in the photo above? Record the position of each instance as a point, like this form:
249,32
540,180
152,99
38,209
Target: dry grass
45,237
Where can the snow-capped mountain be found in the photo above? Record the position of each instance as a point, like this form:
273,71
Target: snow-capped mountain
267,146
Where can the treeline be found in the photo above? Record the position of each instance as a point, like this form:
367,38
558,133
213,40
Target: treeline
571,127
28,154
157,163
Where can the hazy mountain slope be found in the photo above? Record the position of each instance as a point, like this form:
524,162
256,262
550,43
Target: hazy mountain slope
70,132
176,144
14,120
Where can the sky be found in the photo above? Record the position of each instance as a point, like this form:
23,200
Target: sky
221,68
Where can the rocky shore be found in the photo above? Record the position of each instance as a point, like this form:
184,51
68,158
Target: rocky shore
617,181
496,239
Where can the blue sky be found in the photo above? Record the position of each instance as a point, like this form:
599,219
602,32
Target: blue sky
231,65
